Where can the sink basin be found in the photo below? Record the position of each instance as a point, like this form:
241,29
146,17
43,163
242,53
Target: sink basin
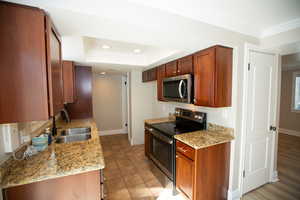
73,138
75,131
74,134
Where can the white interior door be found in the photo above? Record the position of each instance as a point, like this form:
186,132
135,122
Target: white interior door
261,114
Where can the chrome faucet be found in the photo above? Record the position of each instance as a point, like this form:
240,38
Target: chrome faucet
67,118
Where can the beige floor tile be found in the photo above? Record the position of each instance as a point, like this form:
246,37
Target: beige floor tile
114,185
122,194
133,180
146,175
140,192
111,173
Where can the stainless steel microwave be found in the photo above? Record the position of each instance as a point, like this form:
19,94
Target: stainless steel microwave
178,88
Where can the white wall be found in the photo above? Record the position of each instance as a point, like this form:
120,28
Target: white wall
107,102
141,105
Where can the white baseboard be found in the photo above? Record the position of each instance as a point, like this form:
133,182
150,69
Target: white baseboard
113,132
289,132
234,195
275,177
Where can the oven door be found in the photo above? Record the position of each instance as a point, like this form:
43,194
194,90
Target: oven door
178,88
161,152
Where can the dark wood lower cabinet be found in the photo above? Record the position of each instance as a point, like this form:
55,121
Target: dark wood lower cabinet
85,186
205,175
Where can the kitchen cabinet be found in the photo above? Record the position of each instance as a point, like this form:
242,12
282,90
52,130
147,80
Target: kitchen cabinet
161,73
82,108
54,66
30,60
69,81
150,75
171,69
185,65
213,77
185,175
84,186
202,174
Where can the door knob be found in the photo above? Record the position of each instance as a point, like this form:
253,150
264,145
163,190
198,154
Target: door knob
273,128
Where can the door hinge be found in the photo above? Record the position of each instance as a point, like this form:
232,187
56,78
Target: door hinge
248,66
244,174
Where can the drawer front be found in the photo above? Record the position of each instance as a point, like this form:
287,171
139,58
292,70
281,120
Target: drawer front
185,150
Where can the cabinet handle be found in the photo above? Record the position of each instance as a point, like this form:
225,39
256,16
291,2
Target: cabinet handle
178,71
195,101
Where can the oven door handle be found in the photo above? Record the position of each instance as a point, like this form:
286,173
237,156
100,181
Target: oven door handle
162,138
179,88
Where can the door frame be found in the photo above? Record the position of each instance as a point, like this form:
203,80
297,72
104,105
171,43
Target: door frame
273,175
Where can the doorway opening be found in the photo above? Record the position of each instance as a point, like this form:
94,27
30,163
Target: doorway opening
110,103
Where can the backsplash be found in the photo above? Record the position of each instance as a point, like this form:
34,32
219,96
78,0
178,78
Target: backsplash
30,129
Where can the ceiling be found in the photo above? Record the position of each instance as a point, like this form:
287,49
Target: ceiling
161,29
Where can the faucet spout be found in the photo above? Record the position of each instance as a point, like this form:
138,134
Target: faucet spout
66,115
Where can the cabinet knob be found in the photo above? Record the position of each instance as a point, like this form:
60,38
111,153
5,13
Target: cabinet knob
195,101
178,71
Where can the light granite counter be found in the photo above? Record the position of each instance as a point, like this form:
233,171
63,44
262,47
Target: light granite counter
160,120
57,160
212,136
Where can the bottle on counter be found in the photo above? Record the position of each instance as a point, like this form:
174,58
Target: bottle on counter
49,133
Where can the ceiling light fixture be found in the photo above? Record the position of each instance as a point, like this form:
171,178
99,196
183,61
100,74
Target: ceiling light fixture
137,51
103,73
104,46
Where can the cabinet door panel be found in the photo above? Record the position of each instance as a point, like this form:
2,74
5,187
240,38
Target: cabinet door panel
185,65
82,108
161,71
171,69
84,186
69,81
55,81
23,73
204,77
184,175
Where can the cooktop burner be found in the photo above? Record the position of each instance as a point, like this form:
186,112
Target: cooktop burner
173,128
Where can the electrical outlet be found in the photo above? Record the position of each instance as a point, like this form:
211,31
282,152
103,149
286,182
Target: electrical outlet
25,138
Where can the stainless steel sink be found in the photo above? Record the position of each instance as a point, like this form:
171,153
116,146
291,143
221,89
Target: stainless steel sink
73,138
74,134
75,131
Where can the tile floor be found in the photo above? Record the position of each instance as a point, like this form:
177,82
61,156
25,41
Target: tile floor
129,174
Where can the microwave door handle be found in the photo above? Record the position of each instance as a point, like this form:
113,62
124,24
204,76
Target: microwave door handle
179,89
184,92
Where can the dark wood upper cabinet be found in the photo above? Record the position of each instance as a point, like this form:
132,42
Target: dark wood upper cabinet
149,75
161,73
185,65
82,107
69,81
55,85
171,69
213,77
26,47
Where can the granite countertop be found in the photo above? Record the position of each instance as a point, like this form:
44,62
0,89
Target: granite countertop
57,160
214,135
159,120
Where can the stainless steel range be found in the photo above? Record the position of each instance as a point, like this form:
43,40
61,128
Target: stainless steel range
162,142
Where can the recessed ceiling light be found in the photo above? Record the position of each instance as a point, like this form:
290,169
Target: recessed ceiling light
105,46
137,51
103,73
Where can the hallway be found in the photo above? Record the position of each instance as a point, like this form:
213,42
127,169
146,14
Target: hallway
288,188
